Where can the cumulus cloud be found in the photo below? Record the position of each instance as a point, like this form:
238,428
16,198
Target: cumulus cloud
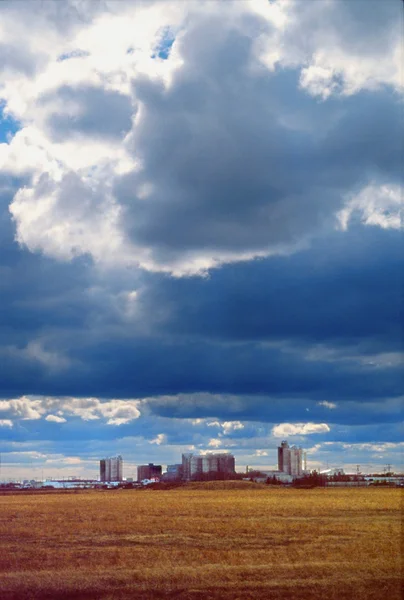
23,408
286,429
161,438
230,426
376,205
86,217
55,419
227,427
214,443
182,162
344,51
114,412
6,423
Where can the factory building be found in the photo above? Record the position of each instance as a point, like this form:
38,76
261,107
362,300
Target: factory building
196,465
149,471
290,459
111,469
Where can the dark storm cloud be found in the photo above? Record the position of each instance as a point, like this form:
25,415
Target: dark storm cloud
345,290
278,410
242,160
282,332
37,294
107,365
239,160
94,112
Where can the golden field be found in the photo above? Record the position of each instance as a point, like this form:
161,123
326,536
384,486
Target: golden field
202,541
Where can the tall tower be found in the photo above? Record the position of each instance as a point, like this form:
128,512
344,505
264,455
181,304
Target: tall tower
111,469
284,457
186,465
296,455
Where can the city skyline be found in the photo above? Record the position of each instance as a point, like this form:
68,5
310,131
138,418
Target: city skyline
129,468
200,233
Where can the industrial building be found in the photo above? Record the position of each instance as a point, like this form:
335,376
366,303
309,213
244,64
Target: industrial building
111,469
149,471
214,463
290,459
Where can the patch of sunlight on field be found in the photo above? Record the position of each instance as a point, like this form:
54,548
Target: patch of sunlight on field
202,541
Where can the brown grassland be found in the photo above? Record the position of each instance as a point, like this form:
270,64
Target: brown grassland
202,541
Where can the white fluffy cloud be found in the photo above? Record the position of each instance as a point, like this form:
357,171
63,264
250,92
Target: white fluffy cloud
160,439
231,426
375,205
137,160
115,412
55,419
214,443
350,46
24,408
287,429
227,427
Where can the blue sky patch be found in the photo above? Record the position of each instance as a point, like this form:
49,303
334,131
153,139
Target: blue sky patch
163,48
8,126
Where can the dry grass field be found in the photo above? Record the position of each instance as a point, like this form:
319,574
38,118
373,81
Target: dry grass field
204,541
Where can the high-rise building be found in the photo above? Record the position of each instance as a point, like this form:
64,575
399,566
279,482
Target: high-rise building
186,466
111,469
283,457
194,466
290,459
173,473
149,471
296,459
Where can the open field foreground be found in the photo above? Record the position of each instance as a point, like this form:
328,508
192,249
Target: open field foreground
203,541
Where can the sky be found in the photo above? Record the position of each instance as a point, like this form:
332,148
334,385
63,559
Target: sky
200,233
